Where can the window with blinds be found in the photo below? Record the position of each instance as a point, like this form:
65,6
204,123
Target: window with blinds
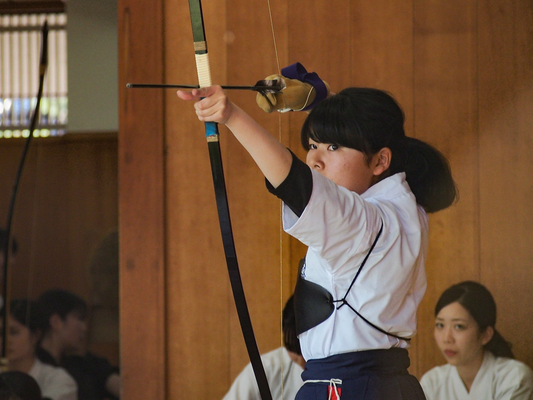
20,46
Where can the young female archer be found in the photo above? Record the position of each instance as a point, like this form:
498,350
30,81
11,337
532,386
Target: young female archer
360,203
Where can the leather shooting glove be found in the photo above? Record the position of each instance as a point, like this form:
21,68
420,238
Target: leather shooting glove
301,91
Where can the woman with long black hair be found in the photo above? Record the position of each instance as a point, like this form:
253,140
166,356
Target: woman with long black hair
480,364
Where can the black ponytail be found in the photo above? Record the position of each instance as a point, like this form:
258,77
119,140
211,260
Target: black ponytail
499,346
429,176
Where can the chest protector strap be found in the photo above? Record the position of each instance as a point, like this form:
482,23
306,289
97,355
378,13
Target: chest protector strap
314,304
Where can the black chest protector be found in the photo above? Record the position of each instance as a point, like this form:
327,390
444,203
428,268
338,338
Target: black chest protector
313,304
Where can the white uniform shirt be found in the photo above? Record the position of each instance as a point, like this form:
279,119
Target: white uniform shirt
498,379
245,386
339,226
55,382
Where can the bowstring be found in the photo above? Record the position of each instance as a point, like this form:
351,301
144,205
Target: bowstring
273,36
281,253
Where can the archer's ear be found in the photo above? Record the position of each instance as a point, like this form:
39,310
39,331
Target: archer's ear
381,161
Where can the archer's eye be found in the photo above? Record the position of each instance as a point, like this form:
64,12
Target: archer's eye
312,146
333,147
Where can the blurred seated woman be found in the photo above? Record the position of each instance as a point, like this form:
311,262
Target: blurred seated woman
24,333
481,364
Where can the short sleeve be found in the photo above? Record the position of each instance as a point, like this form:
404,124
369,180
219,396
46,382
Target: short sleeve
296,189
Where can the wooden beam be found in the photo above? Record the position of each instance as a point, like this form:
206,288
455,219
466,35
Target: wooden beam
32,7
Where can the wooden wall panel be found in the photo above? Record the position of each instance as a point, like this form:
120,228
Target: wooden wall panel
445,106
66,203
381,47
506,185
198,297
141,202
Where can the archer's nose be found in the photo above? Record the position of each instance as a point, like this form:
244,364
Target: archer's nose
314,161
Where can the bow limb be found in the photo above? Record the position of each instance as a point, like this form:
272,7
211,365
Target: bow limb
33,123
212,136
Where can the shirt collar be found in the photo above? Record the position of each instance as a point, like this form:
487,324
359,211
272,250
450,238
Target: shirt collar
388,188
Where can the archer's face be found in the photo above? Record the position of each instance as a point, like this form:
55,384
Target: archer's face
345,166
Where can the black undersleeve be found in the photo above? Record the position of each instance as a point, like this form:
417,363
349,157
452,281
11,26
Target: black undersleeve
296,189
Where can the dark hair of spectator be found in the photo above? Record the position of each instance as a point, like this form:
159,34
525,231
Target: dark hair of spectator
28,313
16,385
62,303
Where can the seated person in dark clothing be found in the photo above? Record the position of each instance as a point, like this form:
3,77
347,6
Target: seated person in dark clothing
63,344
